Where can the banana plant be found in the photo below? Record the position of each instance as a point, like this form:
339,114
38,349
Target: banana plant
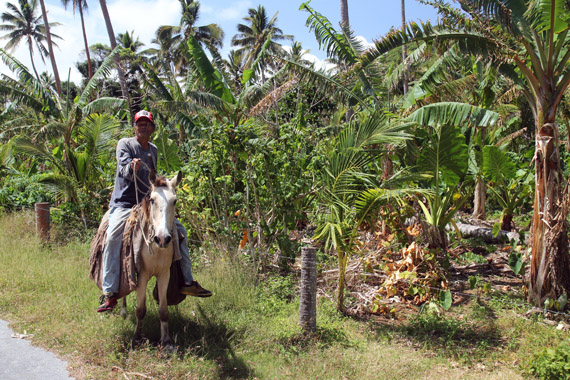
509,185
443,161
528,42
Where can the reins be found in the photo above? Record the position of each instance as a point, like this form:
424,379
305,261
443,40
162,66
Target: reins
151,232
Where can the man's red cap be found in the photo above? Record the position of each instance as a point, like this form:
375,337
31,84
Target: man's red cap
144,114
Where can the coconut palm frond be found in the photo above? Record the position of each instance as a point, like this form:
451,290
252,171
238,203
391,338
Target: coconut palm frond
102,72
47,130
334,43
259,63
325,83
210,101
19,69
104,104
371,199
99,132
414,58
25,145
379,129
30,83
62,185
20,94
6,156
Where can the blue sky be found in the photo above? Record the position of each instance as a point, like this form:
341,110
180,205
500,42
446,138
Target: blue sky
370,19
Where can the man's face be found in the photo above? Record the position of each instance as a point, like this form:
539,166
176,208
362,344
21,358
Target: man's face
143,129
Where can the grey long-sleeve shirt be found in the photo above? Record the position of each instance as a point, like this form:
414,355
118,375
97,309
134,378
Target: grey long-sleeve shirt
124,194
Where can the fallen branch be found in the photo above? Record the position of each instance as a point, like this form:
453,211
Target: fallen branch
485,233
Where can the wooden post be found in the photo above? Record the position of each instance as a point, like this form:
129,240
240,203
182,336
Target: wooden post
308,300
42,220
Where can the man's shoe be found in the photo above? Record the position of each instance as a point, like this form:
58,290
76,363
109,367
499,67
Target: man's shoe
107,303
195,290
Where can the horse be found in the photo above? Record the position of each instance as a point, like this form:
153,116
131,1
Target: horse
156,221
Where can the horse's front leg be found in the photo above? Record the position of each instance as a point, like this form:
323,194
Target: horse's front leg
162,281
141,305
124,312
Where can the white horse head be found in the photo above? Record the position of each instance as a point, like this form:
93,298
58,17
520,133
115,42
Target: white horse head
161,208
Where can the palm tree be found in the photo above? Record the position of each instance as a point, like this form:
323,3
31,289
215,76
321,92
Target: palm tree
259,32
527,41
346,194
50,47
233,66
132,59
82,6
22,24
79,127
113,42
404,52
344,12
130,46
172,39
296,54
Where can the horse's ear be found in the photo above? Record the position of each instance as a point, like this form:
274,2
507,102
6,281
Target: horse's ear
152,177
176,180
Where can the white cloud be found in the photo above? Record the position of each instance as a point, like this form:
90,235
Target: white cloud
319,63
143,18
237,11
364,42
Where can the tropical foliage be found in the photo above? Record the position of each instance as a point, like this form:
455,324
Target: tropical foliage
273,146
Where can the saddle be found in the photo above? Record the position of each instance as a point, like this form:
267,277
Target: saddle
131,260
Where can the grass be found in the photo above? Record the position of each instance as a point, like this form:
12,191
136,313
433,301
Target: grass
248,329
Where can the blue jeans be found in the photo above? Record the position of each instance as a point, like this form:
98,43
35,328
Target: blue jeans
112,253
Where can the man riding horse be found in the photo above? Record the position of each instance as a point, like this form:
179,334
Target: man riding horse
135,156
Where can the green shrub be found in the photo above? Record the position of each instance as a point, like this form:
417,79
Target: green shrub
22,191
552,363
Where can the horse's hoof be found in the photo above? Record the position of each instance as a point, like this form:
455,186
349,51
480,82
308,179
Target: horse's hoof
136,341
168,347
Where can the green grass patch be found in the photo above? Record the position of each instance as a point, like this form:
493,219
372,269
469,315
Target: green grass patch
248,329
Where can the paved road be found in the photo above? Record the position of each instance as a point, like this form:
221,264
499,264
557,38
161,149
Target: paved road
22,361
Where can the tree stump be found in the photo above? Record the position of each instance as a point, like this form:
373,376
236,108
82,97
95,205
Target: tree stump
308,299
42,220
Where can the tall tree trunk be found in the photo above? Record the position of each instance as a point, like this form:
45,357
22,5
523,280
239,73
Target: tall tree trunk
344,12
342,257
50,47
32,58
113,41
550,265
404,50
344,21
480,198
89,67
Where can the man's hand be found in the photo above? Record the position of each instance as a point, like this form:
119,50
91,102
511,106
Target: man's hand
136,164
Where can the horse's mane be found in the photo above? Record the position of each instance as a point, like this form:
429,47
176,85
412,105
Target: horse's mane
160,181
142,210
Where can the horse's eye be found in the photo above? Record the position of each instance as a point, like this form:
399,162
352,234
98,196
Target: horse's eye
151,201
176,200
